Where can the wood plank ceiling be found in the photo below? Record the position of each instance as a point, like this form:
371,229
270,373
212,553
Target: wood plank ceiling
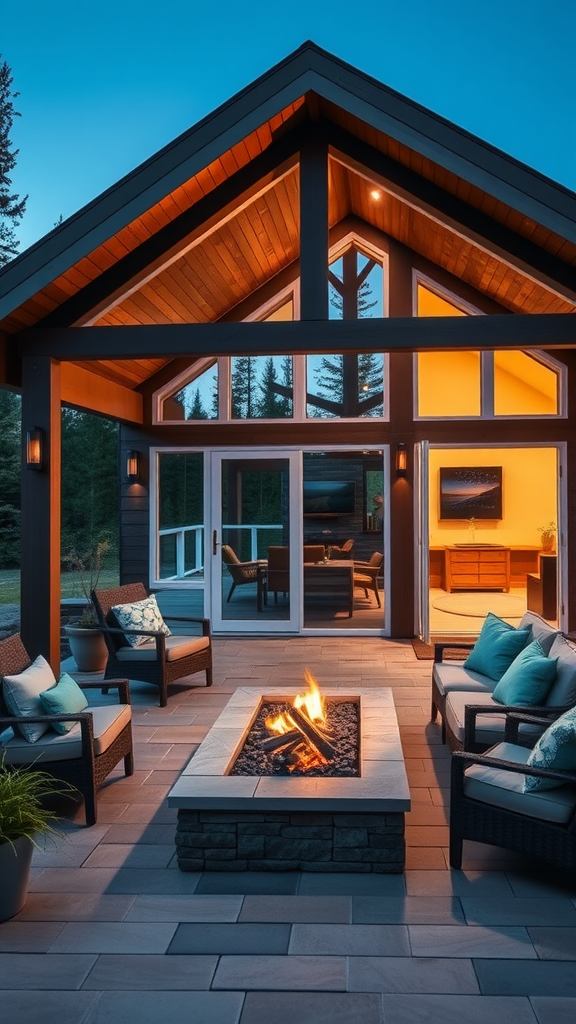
254,244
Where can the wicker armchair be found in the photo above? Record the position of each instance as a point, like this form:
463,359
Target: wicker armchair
366,575
241,572
486,805
161,660
345,551
102,736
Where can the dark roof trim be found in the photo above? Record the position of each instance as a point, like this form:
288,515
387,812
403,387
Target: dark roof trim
308,69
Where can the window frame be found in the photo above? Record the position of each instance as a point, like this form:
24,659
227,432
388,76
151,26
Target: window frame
487,370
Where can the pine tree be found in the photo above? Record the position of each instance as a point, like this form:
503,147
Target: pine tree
270,405
197,410
89,485
11,206
243,388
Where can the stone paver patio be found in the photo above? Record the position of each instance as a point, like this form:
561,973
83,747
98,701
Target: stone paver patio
113,931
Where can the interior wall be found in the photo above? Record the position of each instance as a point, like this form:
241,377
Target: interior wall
529,495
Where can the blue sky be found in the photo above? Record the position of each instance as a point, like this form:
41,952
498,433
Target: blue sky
105,83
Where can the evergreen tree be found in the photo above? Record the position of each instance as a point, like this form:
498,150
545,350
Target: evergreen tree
90,479
197,410
270,405
11,206
243,388
9,479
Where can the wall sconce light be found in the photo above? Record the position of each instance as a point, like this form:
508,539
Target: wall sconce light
35,448
401,459
133,465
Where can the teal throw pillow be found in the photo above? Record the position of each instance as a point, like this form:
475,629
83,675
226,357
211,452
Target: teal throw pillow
528,679
66,698
496,647
556,748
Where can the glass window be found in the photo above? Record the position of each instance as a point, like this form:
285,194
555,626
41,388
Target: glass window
261,387
523,386
196,400
449,384
349,386
180,515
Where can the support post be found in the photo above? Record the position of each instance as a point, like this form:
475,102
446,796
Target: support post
314,229
40,531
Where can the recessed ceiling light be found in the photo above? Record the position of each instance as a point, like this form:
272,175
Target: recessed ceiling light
375,194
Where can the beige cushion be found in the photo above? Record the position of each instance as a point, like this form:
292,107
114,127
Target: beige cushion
108,721
451,675
500,788
489,728
176,647
22,696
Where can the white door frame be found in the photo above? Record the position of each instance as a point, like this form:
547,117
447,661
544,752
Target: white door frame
213,543
422,524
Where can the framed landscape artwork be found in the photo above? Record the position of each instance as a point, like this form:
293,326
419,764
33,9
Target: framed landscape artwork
471,492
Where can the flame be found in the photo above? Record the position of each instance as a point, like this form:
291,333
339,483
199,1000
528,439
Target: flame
313,702
280,724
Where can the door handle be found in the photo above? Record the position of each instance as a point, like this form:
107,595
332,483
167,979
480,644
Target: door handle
214,541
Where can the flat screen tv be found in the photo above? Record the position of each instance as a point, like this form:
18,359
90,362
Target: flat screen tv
329,497
471,492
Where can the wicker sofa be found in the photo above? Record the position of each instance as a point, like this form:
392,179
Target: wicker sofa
471,719
488,804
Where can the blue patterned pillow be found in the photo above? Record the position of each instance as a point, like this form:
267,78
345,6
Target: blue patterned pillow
556,748
140,615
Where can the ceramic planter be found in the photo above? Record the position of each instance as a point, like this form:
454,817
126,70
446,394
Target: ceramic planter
88,648
15,860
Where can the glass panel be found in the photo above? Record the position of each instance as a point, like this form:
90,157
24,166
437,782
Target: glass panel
181,515
197,400
343,507
255,539
449,384
523,386
261,387
284,312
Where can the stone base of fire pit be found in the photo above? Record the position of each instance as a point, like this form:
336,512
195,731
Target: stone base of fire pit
277,823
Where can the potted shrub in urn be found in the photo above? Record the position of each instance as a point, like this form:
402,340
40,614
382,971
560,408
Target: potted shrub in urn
87,644
547,536
22,819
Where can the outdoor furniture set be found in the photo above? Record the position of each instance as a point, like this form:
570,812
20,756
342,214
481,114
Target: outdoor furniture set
516,695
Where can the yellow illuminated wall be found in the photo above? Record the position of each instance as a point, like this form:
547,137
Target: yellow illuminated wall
284,312
529,492
523,386
437,371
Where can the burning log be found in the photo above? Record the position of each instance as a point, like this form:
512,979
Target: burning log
276,742
322,745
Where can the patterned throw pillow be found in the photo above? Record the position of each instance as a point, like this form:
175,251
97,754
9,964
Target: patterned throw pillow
556,748
140,615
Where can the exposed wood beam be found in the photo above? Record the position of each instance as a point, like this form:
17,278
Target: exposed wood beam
451,212
409,334
314,228
172,241
86,390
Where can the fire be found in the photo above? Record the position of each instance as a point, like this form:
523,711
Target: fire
312,701
307,739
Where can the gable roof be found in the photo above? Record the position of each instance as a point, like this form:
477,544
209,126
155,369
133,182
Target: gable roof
308,69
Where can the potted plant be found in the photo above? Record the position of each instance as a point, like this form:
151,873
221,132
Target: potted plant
547,536
86,641
22,819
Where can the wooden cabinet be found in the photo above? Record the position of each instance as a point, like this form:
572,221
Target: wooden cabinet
476,567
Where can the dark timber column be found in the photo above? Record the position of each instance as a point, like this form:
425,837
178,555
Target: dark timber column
402,429
314,230
40,560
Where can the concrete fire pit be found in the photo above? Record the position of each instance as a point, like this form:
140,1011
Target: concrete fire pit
272,823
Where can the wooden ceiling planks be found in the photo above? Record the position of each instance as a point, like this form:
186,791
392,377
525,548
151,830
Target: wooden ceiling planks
459,187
